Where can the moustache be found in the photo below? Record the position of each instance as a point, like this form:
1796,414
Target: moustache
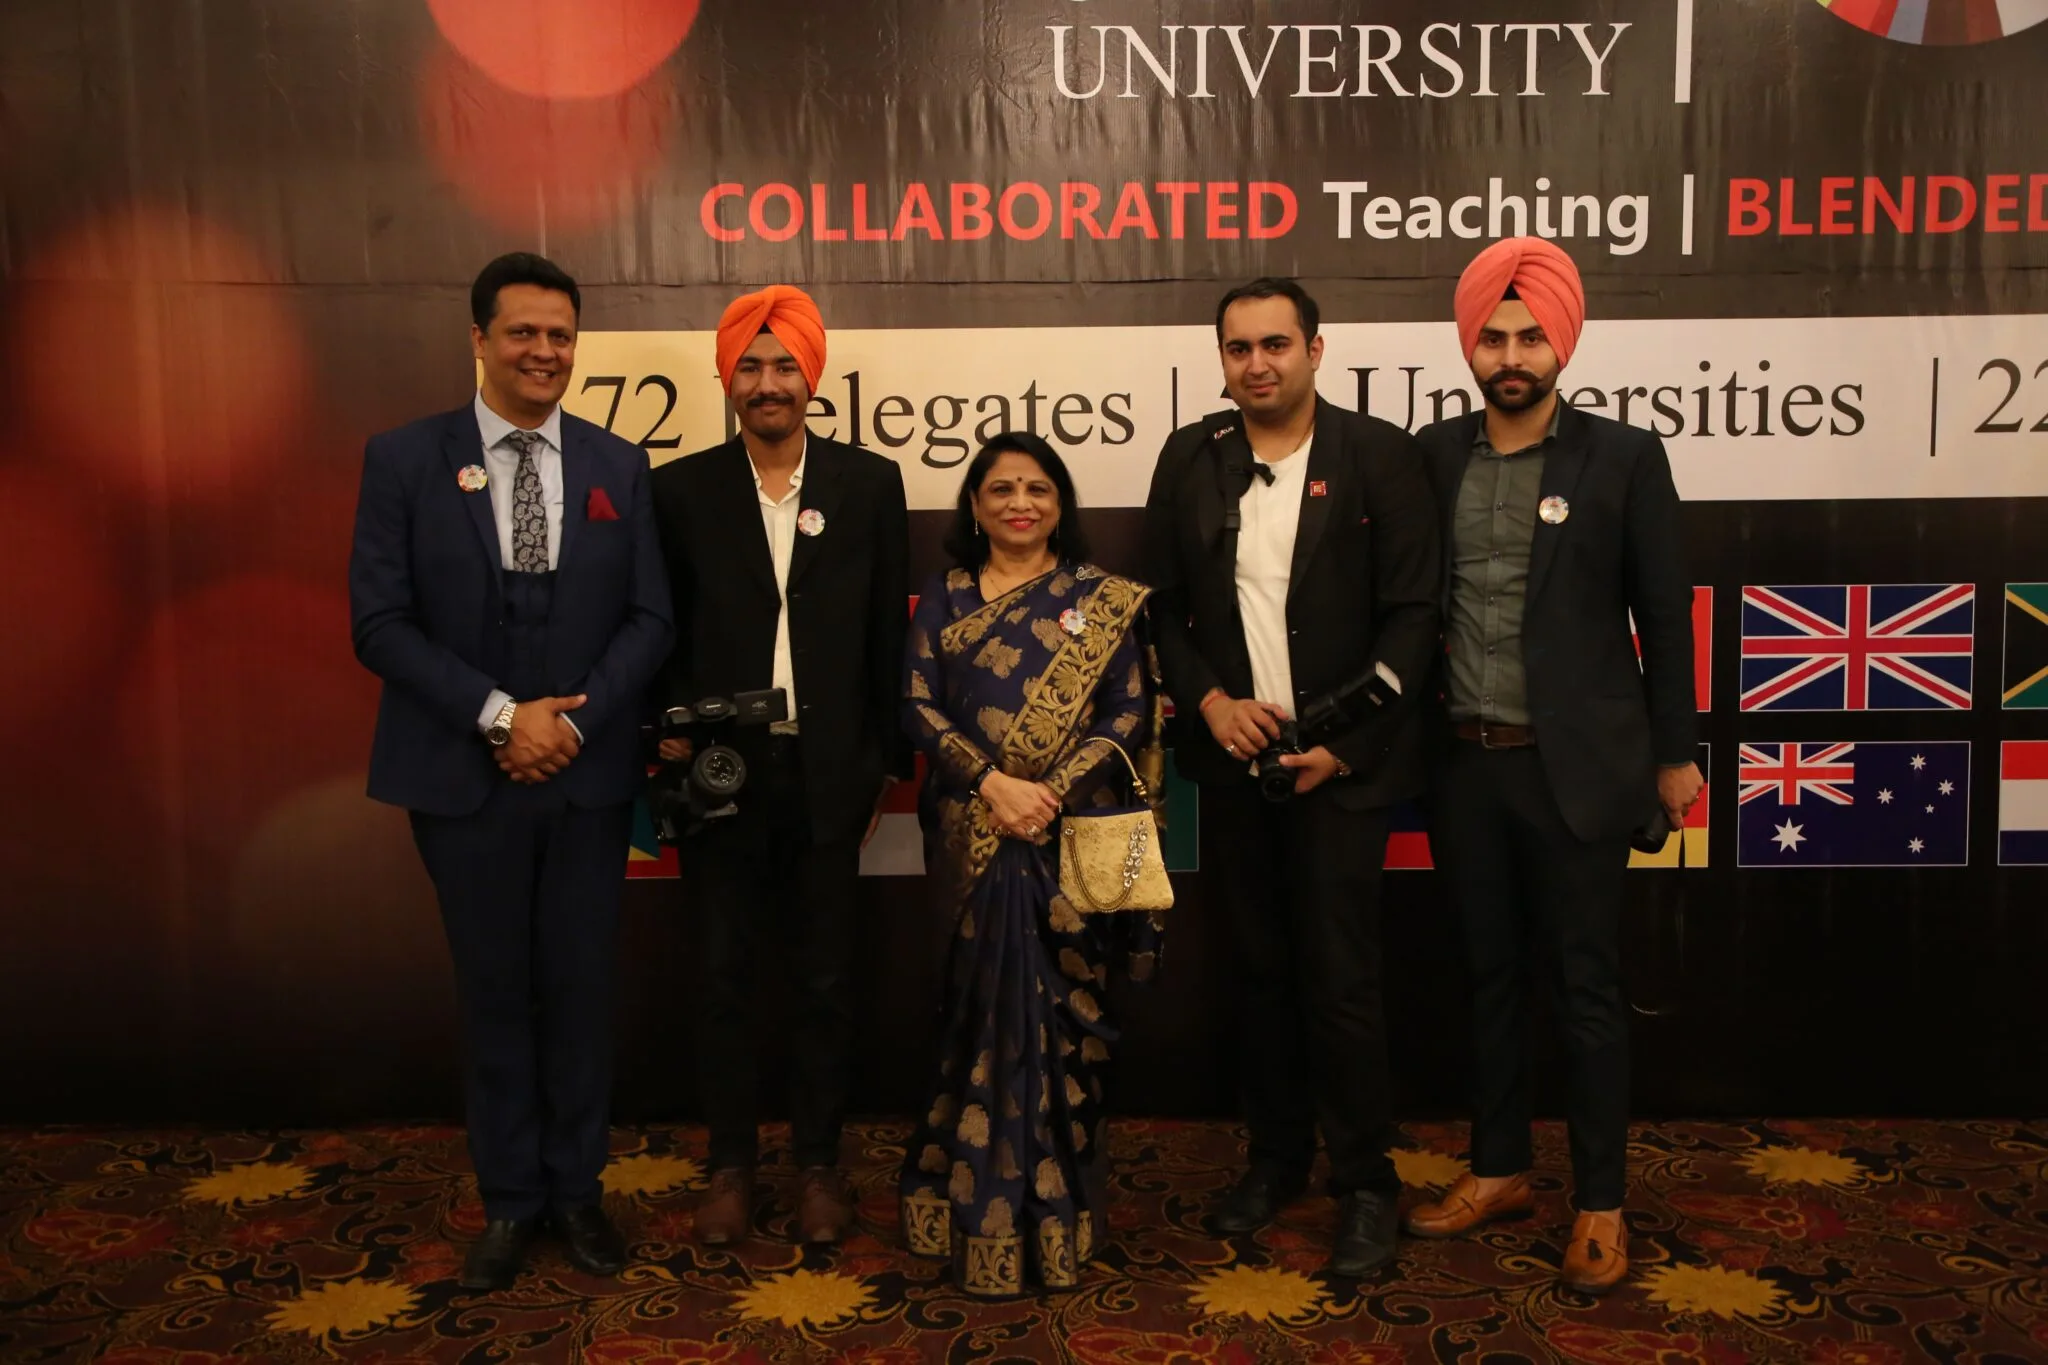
1503,376
767,402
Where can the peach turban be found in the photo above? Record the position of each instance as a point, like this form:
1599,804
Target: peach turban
1542,276
784,310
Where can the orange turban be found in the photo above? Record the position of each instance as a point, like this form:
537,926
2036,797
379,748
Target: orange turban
1543,277
784,310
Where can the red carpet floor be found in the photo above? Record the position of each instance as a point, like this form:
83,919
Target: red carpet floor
1837,1242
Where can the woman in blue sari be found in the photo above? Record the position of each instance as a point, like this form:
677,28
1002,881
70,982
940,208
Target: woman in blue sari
1027,670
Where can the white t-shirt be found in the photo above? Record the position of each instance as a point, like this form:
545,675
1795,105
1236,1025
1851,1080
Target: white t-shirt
1269,515
779,522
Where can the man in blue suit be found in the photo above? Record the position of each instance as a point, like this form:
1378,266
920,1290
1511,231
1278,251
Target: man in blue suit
507,585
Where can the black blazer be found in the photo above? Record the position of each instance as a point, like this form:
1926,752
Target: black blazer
1366,579
426,598
849,594
1603,724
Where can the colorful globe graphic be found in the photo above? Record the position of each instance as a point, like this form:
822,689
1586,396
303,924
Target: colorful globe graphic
1942,23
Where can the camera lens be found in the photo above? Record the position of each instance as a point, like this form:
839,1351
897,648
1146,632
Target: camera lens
1276,779
720,771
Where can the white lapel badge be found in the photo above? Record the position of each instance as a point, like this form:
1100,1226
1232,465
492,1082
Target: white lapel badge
471,478
810,521
1553,509
1072,621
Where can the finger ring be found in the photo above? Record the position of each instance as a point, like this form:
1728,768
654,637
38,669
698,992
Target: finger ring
1031,829
1230,749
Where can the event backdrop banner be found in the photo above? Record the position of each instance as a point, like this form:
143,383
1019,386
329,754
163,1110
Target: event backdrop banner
237,237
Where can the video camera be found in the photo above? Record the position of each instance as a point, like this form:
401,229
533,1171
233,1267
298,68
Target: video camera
1321,720
684,797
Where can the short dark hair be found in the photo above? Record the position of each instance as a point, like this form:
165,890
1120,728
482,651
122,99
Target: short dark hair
1270,287
970,550
517,267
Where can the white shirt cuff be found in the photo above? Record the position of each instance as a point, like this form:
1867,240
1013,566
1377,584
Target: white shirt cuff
492,705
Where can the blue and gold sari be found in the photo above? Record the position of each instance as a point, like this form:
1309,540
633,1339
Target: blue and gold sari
1005,1174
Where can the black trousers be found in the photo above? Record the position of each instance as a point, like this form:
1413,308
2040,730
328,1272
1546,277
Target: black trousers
768,891
1526,888
1301,888
530,889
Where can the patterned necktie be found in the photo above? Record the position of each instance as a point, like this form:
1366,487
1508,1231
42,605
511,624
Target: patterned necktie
529,512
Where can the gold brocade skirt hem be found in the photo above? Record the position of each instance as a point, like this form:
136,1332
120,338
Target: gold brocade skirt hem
1047,1257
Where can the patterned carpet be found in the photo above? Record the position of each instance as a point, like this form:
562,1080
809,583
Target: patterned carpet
1845,1243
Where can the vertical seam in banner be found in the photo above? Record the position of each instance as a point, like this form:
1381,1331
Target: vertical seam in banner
1934,412
1685,238
1682,73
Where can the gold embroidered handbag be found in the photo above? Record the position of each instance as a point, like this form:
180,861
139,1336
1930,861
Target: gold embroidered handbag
1110,858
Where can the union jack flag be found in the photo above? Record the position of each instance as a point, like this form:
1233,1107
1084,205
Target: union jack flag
1858,647
1789,771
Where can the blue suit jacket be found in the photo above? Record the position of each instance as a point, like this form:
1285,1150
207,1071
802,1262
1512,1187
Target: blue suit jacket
426,598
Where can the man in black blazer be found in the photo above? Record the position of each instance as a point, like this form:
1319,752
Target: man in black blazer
1556,744
788,557
1293,549
506,584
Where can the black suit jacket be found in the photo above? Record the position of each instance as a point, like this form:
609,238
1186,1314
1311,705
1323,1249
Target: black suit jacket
849,594
1364,587
1603,723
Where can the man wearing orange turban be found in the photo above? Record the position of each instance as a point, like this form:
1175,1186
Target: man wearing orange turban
1559,751
789,555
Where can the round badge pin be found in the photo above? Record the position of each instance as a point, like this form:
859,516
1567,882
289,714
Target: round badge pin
471,478
1553,509
1072,621
810,521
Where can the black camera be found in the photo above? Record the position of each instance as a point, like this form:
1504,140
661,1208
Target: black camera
684,797
1323,719
1652,834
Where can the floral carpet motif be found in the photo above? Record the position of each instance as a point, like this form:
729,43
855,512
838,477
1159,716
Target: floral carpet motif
1840,1243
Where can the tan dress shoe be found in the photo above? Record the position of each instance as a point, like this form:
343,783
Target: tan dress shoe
824,1209
1464,1208
1596,1258
727,1209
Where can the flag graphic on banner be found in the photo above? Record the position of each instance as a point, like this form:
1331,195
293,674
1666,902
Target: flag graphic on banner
1903,804
1407,840
2023,803
2025,683
1702,646
1690,842
1858,647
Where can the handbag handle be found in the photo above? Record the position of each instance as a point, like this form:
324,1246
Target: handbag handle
1139,790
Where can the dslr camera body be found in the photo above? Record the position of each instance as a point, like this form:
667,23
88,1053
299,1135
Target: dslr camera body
1323,719
685,797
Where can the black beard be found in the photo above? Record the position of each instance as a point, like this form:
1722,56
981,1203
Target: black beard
1535,392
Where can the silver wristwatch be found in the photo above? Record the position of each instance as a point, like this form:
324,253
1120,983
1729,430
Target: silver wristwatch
499,731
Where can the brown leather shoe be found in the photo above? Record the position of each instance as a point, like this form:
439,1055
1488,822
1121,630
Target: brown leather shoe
1596,1258
1464,1208
727,1209
824,1210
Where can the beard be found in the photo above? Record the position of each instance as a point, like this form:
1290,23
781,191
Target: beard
1534,390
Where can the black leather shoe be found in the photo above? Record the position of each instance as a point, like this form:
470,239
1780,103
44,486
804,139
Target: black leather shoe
494,1259
1366,1224
1256,1200
592,1244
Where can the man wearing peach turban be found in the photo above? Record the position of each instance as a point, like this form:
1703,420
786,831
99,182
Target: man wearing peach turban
788,555
1559,751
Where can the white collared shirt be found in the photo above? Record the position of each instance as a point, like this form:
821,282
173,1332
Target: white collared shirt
779,521
501,463
1270,515
501,466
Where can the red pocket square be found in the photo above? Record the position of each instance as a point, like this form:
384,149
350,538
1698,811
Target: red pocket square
599,508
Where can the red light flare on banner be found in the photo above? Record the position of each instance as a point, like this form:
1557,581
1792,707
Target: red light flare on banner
143,354
247,690
540,166
555,50
62,599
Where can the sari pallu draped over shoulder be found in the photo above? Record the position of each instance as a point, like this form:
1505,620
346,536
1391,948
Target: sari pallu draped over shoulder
1005,1173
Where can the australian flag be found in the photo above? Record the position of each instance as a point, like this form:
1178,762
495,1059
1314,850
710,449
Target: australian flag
1858,647
1901,804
